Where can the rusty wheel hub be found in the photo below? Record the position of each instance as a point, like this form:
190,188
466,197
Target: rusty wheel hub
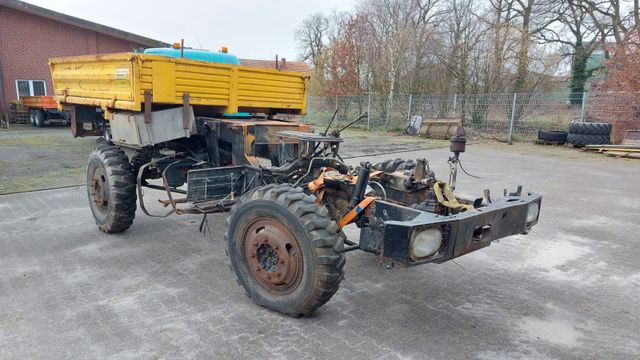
99,189
273,255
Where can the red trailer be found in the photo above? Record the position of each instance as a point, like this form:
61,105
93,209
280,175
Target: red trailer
43,110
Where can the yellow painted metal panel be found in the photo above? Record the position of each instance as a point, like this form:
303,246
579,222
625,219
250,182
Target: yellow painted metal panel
204,68
164,82
270,94
205,91
208,85
265,74
217,81
118,81
123,105
303,106
208,101
279,82
262,88
101,79
233,92
268,105
272,89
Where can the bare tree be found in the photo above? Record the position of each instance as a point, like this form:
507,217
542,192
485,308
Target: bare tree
611,19
534,16
432,46
311,36
463,33
500,17
344,61
394,26
577,36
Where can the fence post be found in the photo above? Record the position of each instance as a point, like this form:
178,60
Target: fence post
455,103
337,115
513,117
369,113
584,105
409,112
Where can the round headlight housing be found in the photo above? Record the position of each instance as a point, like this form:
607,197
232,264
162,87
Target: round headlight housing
532,212
425,243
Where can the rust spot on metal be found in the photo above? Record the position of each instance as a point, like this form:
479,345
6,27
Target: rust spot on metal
98,189
148,97
168,202
273,255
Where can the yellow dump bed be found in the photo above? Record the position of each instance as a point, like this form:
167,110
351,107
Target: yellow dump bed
119,82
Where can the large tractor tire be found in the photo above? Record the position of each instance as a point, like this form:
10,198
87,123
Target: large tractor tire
578,140
555,136
39,117
111,188
284,249
589,128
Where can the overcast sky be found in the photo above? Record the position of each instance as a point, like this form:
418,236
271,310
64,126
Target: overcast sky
256,29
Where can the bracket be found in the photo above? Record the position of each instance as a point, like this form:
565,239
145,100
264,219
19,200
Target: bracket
148,96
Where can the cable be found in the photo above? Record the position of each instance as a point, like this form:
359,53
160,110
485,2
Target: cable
465,171
311,164
384,192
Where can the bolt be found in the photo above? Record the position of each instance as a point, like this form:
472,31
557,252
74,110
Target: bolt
276,248
281,261
253,256
258,269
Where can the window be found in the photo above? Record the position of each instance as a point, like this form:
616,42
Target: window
30,88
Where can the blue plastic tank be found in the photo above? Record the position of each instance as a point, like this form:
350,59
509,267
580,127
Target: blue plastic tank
202,55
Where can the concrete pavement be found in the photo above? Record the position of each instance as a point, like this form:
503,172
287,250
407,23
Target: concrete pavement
568,290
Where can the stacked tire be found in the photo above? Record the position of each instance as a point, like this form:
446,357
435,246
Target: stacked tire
552,137
588,133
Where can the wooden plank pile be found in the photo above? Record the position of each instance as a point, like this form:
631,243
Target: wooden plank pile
630,147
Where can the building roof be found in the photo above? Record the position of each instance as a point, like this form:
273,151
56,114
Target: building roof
298,66
85,24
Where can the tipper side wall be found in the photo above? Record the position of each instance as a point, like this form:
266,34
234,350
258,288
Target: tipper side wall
119,82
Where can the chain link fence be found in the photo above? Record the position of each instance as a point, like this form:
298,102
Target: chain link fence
514,116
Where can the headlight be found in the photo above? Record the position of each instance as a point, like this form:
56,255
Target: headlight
426,243
532,213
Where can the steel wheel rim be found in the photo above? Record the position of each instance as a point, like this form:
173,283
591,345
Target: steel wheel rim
99,189
272,255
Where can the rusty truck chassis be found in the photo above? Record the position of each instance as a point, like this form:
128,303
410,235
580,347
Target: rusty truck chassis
226,159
